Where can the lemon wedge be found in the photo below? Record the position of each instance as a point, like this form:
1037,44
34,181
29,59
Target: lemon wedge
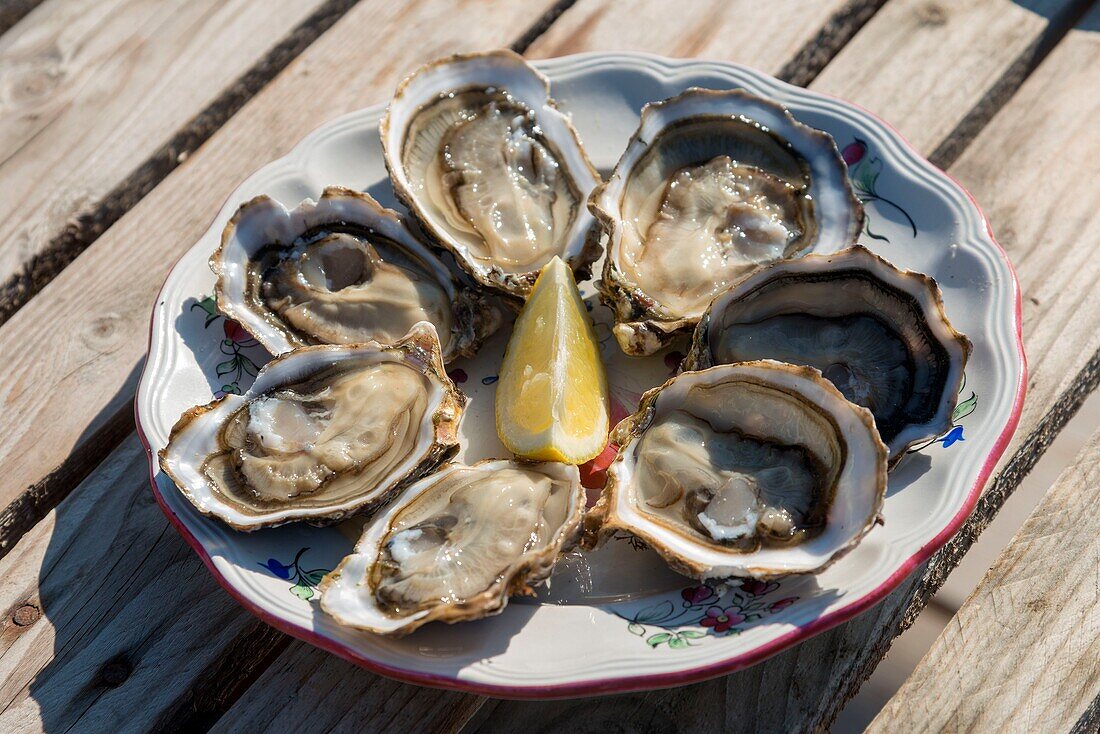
551,402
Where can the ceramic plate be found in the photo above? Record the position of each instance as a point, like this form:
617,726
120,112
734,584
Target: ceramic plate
615,619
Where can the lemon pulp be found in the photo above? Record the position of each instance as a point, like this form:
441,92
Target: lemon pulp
551,401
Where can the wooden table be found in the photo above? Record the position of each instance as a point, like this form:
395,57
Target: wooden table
124,125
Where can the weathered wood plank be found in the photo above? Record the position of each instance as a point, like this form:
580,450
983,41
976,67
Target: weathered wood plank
326,694
738,705
925,66
1023,652
791,39
13,11
86,643
47,446
779,695
381,690
806,686
112,623
105,98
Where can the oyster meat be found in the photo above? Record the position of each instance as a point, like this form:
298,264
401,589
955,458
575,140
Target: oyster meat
495,173
456,544
324,432
711,185
341,270
758,469
878,333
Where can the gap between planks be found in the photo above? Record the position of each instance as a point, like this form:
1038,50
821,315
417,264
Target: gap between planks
661,701
13,11
73,230
1023,652
207,692
111,426
68,586
22,509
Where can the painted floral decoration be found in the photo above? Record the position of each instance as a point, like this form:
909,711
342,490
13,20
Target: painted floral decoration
864,170
305,581
963,408
236,339
706,610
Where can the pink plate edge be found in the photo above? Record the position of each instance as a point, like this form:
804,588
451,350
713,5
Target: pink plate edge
658,680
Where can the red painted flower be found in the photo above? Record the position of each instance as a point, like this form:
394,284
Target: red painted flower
720,620
756,587
783,603
853,152
697,594
235,333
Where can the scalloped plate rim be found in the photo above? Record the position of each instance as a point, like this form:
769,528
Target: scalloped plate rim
645,62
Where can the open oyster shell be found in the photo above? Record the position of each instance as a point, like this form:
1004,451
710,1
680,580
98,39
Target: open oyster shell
878,333
341,270
759,469
480,154
324,432
711,185
455,545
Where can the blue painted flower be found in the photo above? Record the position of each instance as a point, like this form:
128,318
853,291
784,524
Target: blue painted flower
277,568
956,434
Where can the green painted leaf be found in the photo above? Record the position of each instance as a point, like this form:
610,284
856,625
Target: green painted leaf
693,634
248,365
874,168
659,638
677,643
208,305
224,368
315,576
655,612
302,591
966,407
635,629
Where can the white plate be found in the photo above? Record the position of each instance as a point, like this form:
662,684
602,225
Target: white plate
617,619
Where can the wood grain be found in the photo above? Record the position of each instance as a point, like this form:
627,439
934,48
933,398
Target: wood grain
112,623
102,99
13,11
88,642
798,687
258,706
805,687
1023,652
790,38
46,446
307,690
924,65
792,691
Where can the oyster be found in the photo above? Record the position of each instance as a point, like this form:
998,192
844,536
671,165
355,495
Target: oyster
324,432
492,170
341,270
878,333
757,469
456,544
712,184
